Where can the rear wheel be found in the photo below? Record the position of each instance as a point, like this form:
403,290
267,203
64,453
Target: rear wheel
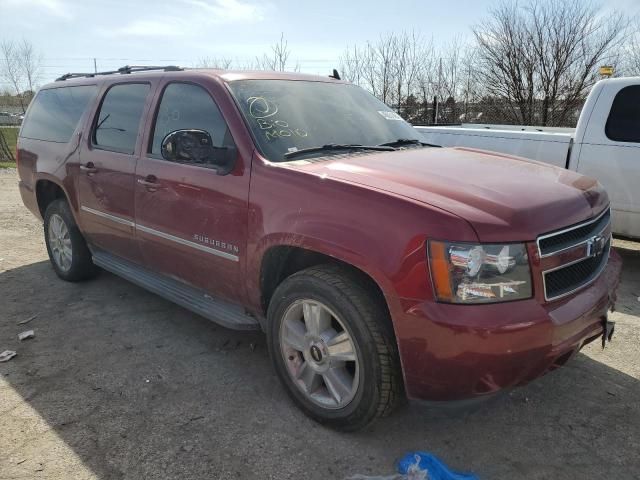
68,251
332,347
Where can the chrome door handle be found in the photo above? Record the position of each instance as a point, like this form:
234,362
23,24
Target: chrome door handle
88,168
149,183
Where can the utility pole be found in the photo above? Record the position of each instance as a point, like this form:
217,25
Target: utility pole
439,96
434,110
466,96
95,67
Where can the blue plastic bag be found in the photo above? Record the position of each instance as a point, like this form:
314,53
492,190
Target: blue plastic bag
435,468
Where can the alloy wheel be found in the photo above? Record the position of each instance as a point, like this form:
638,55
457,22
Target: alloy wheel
320,354
60,242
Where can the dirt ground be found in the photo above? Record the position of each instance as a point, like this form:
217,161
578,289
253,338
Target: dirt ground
120,384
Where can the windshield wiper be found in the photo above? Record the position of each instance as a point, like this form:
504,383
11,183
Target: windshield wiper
407,141
339,146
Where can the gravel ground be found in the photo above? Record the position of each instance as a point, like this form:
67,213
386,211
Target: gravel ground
120,384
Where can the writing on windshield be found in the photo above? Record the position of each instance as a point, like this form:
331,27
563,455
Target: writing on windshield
264,113
287,116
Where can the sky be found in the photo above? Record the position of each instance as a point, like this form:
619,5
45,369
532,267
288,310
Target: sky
71,33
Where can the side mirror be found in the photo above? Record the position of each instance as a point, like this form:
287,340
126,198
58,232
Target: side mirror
196,147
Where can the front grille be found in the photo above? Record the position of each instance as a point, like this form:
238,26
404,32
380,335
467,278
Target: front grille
567,279
591,239
555,242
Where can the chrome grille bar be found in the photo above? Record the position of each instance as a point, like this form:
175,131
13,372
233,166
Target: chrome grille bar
573,236
594,237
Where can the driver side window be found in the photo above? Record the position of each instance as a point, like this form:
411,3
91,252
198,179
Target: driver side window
186,107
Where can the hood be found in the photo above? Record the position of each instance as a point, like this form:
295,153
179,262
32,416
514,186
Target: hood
504,198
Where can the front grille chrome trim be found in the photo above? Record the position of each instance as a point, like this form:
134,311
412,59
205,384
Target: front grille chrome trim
590,272
594,276
569,229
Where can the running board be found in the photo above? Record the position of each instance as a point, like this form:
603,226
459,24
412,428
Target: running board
218,311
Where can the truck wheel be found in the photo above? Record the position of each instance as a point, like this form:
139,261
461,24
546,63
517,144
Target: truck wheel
331,343
68,251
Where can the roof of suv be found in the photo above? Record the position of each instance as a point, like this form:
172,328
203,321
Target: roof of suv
192,73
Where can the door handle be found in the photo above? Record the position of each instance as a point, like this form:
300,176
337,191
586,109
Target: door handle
89,167
150,182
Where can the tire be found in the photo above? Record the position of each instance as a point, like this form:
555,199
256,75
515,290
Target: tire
67,248
308,298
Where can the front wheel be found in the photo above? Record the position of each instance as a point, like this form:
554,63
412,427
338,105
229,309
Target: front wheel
331,344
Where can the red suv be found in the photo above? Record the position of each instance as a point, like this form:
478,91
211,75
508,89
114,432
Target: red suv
377,265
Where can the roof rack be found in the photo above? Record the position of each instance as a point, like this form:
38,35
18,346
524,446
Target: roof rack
123,70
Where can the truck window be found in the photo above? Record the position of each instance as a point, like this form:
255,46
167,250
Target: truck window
188,106
623,124
55,113
116,127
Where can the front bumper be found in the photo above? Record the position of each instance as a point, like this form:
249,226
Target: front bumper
456,352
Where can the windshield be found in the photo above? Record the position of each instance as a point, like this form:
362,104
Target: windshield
286,116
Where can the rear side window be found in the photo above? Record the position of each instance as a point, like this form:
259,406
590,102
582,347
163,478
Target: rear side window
119,119
55,113
623,124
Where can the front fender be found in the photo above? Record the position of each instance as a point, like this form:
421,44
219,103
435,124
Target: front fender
413,262
380,234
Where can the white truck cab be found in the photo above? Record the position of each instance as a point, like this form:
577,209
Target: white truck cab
605,145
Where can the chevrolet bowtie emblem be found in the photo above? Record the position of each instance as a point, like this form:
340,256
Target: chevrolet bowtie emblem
595,245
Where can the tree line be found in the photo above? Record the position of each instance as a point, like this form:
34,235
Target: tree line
21,69
527,63
530,64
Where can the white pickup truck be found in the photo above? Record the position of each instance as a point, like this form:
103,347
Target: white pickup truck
605,145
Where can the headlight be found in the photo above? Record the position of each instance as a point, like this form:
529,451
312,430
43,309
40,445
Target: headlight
473,273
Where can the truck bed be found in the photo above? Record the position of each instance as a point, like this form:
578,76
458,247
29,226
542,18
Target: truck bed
548,145
517,128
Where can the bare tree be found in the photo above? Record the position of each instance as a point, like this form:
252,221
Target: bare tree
455,83
470,89
30,63
633,51
278,58
407,71
20,66
506,63
391,68
406,65
370,66
542,59
219,63
10,68
427,86
351,65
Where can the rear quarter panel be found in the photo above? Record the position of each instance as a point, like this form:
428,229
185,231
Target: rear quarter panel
42,160
45,160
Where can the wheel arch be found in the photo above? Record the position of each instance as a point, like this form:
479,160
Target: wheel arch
281,261
49,189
